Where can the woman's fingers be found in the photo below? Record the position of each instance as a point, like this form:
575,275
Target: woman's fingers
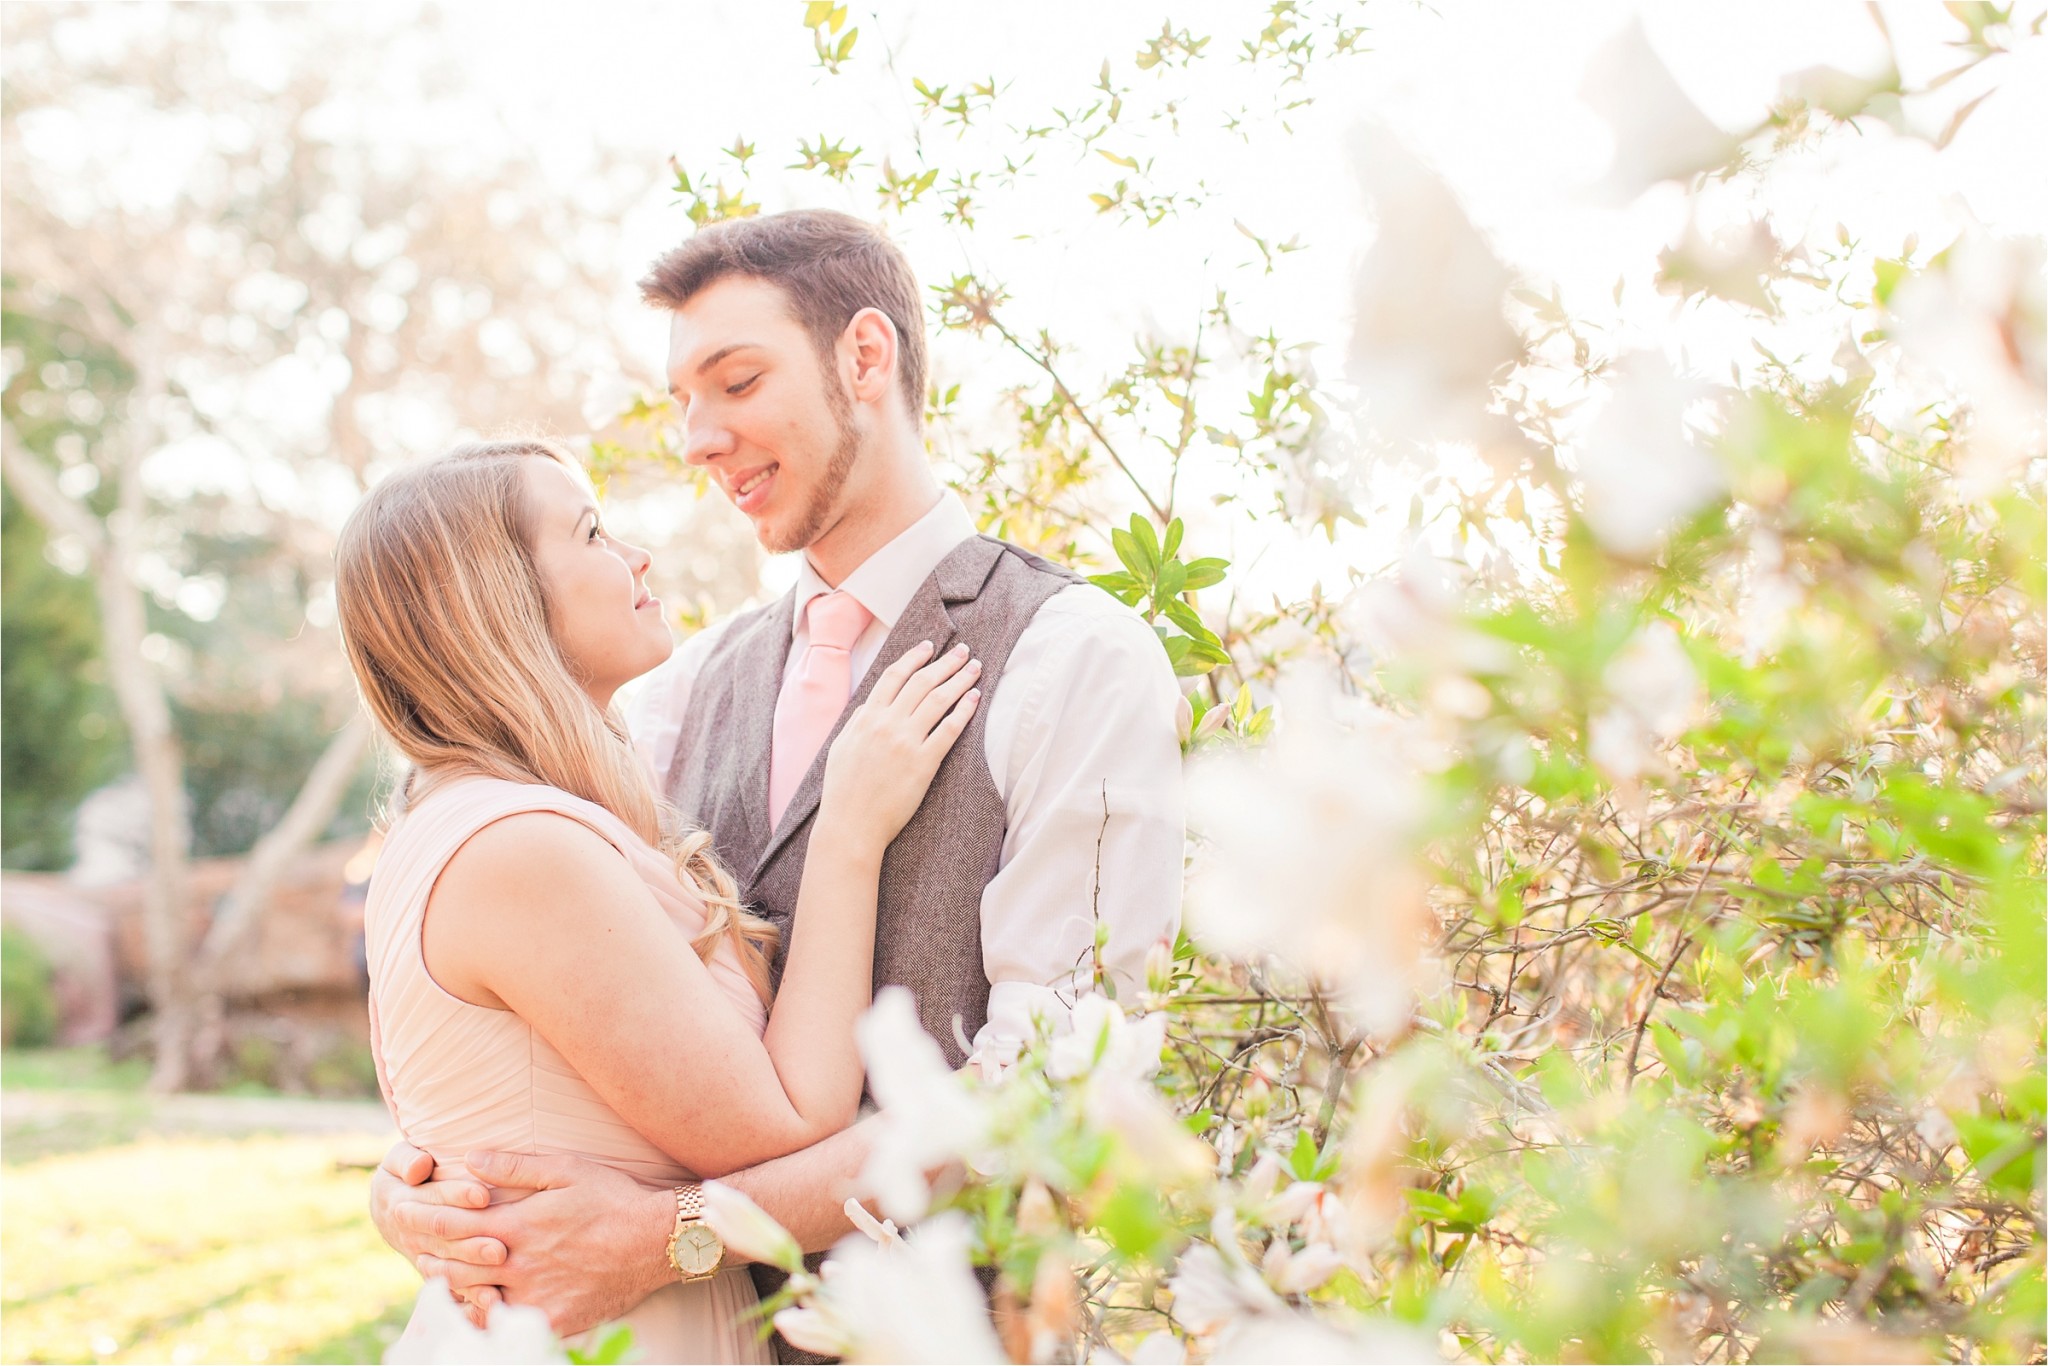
892,679
948,730
920,684
951,725
474,1251
941,698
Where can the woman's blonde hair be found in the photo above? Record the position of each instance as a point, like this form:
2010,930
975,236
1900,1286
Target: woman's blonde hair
445,621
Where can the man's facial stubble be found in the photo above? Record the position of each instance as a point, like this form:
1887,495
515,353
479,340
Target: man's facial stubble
824,499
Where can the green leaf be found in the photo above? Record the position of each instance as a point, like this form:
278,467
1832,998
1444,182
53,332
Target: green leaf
1133,555
1134,1223
1306,1163
1148,538
1205,573
1183,616
1173,576
817,12
1431,1206
2003,1152
1173,535
1115,582
612,1348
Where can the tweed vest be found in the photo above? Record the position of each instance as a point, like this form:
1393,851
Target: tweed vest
928,913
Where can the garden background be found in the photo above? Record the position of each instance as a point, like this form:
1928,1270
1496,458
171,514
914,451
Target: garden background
1585,463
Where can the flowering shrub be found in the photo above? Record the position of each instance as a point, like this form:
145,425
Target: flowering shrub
1616,931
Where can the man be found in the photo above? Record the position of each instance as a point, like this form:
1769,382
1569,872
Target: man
797,355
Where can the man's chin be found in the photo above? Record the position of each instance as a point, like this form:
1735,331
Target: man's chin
780,535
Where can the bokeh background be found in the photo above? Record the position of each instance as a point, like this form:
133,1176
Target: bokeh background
255,257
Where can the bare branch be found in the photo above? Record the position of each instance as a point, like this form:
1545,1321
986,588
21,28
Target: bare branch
37,488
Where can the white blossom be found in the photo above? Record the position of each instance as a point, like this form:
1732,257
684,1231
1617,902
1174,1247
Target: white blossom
1770,597
1294,1272
1209,1292
1655,693
1310,851
1975,324
814,1331
1158,1349
1412,616
1736,262
1263,1179
928,1115
747,1229
1114,1058
914,1300
1101,1039
1286,1336
883,1231
1639,470
440,1332
1429,333
1659,133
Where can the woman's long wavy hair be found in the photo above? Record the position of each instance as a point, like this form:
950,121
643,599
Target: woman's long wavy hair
445,621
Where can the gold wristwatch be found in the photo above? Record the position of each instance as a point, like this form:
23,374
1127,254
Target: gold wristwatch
694,1250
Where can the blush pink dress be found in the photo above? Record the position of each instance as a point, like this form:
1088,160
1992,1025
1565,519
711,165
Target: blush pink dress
459,1076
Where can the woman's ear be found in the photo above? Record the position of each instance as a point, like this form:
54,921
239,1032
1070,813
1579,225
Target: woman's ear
871,338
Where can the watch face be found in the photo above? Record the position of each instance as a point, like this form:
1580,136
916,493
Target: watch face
698,1251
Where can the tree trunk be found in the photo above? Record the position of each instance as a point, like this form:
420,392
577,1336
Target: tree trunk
160,759
152,738
242,908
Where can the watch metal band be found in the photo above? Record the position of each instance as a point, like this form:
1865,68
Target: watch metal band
689,1210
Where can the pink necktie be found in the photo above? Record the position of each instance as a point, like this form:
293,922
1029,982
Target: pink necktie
814,695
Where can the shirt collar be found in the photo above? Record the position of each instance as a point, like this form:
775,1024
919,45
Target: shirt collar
885,581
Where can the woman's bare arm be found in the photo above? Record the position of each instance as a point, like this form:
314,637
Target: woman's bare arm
540,915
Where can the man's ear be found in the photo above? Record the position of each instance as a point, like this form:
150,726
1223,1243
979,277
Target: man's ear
870,338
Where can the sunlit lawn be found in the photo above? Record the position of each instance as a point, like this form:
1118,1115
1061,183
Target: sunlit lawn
190,1249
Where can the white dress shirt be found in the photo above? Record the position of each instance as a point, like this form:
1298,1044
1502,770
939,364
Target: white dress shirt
1082,746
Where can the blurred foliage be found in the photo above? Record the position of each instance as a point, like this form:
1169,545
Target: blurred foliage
1716,779
63,735
28,999
85,1068
243,766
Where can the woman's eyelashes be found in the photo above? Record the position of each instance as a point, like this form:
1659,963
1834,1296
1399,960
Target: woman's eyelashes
742,386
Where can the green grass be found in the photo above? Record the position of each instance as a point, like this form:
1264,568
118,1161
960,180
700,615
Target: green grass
197,1250
69,1069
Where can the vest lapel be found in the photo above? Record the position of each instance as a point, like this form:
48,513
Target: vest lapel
958,578
756,661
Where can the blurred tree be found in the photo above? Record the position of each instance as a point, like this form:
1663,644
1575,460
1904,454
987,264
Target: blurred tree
297,280
62,736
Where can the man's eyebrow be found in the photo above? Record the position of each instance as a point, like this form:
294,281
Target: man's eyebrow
722,352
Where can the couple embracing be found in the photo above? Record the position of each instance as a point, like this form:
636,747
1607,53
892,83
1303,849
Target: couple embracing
612,958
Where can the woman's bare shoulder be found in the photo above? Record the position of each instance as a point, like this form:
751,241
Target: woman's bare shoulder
531,855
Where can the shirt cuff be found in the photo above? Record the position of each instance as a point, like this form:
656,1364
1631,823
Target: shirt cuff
1015,1010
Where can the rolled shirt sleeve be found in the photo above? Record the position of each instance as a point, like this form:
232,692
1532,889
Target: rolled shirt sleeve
1082,745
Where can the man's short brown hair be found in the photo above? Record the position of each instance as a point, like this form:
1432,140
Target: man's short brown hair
831,265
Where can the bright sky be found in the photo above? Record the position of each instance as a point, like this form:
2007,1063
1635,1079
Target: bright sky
1488,94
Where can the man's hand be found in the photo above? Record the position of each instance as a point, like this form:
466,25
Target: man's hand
587,1244
403,1202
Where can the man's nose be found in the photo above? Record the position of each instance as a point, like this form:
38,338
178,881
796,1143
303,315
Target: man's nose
705,441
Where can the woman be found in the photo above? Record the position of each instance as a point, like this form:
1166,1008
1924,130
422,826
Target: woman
555,966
